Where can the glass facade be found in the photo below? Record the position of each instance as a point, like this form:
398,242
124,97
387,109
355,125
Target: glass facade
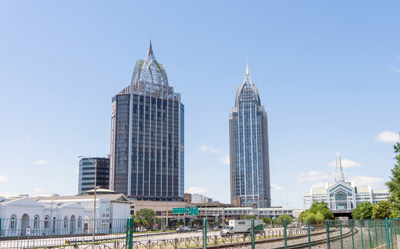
249,148
87,173
147,136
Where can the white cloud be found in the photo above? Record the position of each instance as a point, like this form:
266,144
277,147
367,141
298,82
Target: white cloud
76,171
319,185
372,181
8,194
196,190
29,138
395,69
388,136
206,148
225,159
3,178
38,190
346,163
277,186
41,162
312,176
279,164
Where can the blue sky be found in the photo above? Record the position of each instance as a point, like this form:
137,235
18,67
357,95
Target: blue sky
328,73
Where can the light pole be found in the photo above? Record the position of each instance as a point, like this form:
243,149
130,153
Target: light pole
94,196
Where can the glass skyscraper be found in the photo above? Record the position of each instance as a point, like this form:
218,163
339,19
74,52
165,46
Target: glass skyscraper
248,142
147,136
88,168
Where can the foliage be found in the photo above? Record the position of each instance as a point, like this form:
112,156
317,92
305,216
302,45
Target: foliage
267,221
363,211
317,213
281,218
248,217
382,210
394,184
145,217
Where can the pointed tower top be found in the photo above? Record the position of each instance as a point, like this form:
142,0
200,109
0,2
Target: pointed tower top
247,67
150,51
339,175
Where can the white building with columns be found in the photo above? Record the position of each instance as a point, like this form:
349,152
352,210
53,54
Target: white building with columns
67,215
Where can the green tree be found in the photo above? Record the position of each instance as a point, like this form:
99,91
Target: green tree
267,221
146,217
311,213
394,184
319,218
382,210
363,211
280,219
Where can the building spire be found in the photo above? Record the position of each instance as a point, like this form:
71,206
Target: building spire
339,176
247,67
150,51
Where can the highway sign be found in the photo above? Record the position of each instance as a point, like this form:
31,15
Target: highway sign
193,211
179,210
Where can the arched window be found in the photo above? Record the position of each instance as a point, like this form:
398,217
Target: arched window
46,221
13,222
79,222
65,221
36,220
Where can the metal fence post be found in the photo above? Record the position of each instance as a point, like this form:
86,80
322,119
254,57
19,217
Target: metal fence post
252,234
0,229
387,234
129,233
284,233
328,244
204,233
362,237
308,229
341,235
376,234
369,233
391,234
352,232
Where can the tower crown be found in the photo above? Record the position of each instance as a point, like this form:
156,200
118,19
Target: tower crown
247,91
339,175
150,78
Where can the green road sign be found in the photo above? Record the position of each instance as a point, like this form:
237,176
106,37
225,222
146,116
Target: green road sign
193,211
179,210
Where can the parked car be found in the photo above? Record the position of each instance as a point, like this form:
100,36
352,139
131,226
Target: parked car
141,229
306,228
184,229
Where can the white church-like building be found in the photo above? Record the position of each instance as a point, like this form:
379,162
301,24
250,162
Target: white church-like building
343,196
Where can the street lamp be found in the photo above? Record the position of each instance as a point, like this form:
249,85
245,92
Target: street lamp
94,196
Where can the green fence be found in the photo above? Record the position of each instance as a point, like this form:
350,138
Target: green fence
35,233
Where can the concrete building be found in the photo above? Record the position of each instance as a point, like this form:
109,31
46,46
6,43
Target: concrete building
248,143
88,167
147,136
342,196
62,215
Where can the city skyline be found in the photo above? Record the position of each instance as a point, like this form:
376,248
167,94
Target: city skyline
330,78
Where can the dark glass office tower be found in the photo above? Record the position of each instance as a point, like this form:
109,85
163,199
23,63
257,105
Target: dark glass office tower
248,142
87,170
147,142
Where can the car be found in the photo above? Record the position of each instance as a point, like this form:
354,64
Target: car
141,229
306,228
184,229
227,231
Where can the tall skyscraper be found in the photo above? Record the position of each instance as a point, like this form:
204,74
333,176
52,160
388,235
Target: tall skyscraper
147,136
248,142
88,168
